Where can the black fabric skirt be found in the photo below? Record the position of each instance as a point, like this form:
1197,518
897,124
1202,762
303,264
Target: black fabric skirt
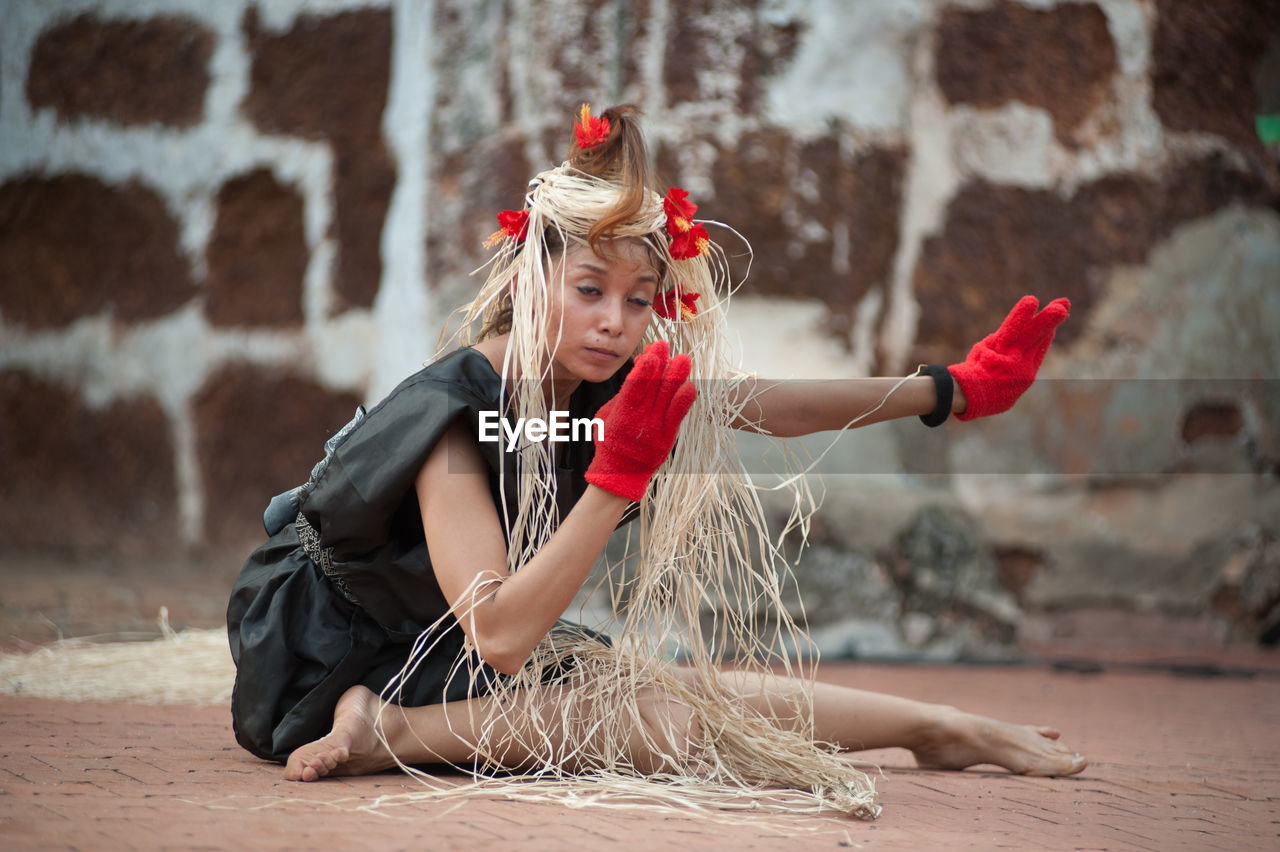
299,644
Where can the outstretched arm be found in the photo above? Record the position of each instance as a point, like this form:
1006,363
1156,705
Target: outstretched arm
997,371
785,409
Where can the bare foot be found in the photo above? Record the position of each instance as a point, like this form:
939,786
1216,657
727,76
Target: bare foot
351,748
964,739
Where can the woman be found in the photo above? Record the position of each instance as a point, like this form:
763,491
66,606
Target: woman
439,542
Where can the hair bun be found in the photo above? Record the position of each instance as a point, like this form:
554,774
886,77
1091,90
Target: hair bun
621,159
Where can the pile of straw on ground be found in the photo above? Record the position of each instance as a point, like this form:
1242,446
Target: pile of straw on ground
187,667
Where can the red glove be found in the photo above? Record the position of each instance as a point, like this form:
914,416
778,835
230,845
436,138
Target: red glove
1003,365
641,422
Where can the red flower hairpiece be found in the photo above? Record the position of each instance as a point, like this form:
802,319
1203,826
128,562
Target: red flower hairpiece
688,240
511,223
589,130
691,243
669,307
679,210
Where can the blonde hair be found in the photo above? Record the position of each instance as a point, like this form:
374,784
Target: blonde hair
697,592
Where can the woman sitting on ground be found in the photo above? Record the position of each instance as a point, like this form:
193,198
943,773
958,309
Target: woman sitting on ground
408,606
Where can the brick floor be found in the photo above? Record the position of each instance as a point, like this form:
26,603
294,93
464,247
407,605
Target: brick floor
1177,763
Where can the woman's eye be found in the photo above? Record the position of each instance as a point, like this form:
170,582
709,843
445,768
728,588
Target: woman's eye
588,290
642,301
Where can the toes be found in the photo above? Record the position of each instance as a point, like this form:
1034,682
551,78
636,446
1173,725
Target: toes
297,768
323,760
309,768
1066,764
328,761
1049,733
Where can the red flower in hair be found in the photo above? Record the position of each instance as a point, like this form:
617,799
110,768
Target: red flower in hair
589,130
669,307
511,223
679,210
691,243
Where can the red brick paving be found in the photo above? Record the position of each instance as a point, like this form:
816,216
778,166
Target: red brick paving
1177,763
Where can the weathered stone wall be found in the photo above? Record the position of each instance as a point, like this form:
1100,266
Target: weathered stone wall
223,225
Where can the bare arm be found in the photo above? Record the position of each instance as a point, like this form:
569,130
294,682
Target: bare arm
997,370
789,408
504,619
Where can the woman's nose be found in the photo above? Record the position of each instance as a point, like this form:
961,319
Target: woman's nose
610,316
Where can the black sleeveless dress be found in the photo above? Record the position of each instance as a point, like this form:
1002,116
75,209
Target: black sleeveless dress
338,597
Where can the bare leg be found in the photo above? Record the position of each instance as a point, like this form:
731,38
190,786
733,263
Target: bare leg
446,733
940,737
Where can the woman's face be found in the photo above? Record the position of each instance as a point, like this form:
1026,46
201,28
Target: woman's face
597,318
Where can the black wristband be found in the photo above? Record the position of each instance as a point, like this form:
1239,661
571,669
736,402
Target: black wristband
944,386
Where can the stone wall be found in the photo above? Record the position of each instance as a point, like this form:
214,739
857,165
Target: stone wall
223,225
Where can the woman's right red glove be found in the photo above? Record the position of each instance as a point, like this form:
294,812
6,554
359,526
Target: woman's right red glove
641,422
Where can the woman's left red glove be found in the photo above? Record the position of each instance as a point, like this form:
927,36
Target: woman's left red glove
1003,365
641,422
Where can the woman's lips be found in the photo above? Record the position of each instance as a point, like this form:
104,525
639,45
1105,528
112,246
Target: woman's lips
602,354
